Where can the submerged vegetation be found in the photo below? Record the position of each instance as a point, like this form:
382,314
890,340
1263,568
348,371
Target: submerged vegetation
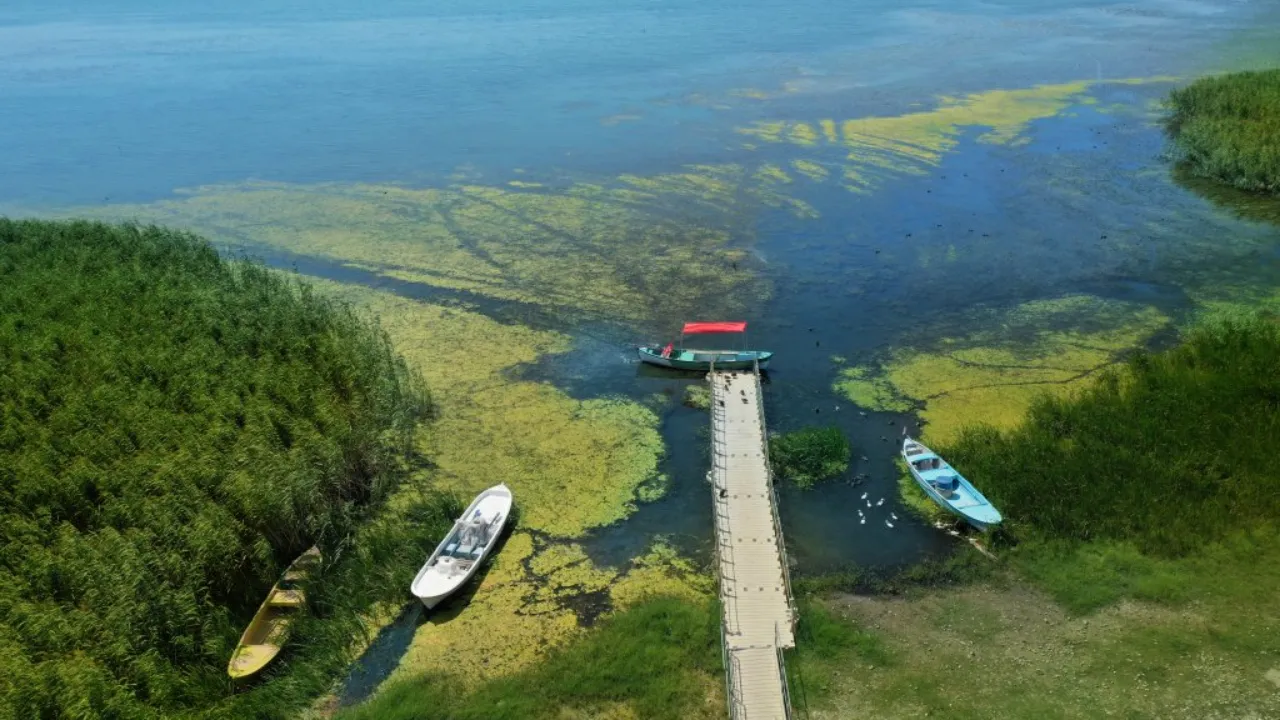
993,374
1227,128
658,659
810,455
697,396
175,429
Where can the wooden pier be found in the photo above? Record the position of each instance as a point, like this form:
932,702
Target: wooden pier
755,588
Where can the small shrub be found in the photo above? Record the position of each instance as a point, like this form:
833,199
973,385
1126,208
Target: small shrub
809,456
697,396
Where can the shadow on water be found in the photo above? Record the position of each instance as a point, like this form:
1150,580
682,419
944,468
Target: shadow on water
382,656
1248,206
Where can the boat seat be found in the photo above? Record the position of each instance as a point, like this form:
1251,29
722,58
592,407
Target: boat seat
450,548
467,549
287,598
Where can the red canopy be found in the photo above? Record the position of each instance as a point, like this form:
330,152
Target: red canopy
693,328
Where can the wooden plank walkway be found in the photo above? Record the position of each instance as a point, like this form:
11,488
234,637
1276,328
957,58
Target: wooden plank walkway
755,591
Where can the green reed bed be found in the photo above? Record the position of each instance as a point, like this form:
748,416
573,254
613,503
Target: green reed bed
1227,128
810,455
1171,451
174,429
660,658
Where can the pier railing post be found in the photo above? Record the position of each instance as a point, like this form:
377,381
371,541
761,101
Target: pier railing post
773,504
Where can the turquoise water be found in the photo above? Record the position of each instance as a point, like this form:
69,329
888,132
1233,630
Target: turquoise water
114,101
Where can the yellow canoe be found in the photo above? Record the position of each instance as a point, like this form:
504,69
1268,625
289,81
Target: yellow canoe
262,640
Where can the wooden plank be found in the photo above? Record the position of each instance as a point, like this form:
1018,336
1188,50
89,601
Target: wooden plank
753,591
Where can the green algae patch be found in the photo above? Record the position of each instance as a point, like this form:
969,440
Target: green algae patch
869,388
616,249
449,640
657,660
697,396
992,376
572,464
812,170
876,148
662,572
538,595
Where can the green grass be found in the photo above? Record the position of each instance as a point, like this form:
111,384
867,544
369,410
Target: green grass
1227,128
1172,452
650,657
810,455
828,644
174,429
1141,572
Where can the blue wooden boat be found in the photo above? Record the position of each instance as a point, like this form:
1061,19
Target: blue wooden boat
683,358
947,486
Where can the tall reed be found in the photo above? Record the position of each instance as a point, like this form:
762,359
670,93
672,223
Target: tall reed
1169,451
1227,128
174,429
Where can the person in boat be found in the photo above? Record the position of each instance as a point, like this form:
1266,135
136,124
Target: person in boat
666,351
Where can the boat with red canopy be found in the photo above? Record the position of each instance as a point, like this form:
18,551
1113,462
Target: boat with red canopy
683,358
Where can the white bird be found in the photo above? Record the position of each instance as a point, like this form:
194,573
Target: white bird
894,515
859,512
886,522
868,503
863,521
879,502
864,496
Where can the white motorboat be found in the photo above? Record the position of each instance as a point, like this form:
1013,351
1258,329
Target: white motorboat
466,545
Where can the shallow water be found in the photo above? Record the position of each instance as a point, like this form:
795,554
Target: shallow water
117,102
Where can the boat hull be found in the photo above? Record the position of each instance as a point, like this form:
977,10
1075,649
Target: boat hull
704,360
966,502
432,586
942,502
263,639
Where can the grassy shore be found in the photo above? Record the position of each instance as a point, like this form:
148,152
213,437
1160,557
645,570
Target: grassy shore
174,429
1068,624
659,659
1227,128
1144,579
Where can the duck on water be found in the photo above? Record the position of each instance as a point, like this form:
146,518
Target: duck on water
947,486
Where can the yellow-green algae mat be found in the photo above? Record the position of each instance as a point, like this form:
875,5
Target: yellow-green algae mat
876,148
991,374
615,247
674,241
572,464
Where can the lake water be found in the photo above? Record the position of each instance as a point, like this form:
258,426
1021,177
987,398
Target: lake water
115,101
